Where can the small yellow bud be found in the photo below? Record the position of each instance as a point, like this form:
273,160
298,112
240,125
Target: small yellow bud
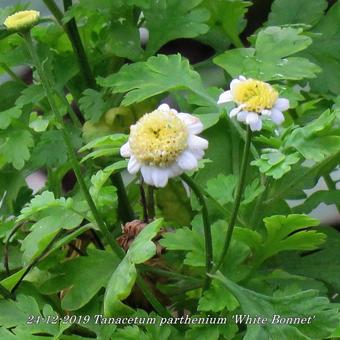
22,20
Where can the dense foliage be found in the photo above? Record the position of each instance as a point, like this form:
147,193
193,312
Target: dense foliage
60,255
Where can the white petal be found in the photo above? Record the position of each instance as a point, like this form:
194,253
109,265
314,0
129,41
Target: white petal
195,142
256,126
198,153
147,174
242,78
174,170
133,165
234,83
187,161
242,115
174,111
160,177
252,118
164,107
277,117
193,123
282,104
125,150
235,111
266,112
225,97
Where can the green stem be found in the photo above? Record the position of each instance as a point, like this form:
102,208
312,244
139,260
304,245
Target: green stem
259,203
161,310
143,200
207,232
72,32
331,186
124,207
67,138
55,10
78,47
151,202
239,192
76,168
166,273
37,260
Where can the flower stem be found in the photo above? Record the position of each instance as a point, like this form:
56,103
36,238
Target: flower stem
143,200
76,167
67,138
78,47
125,210
207,232
151,202
72,32
239,192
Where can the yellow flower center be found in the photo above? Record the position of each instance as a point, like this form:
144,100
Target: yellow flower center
255,95
158,138
22,19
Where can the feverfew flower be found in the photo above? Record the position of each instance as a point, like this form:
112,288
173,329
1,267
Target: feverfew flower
255,100
163,144
22,20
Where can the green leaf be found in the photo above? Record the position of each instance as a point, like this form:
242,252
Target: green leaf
38,123
275,164
14,315
104,146
32,94
51,149
83,277
142,248
283,233
320,265
105,196
226,21
7,116
271,59
211,299
192,242
317,198
92,105
305,304
325,51
316,141
174,203
252,191
124,277
40,203
16,146
222,188
99,179
168,20
157,75
304,12
43,231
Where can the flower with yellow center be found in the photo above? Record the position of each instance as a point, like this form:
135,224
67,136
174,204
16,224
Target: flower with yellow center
163,144
255,100
21,20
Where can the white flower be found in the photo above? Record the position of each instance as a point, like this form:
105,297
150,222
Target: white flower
255,100
163,144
